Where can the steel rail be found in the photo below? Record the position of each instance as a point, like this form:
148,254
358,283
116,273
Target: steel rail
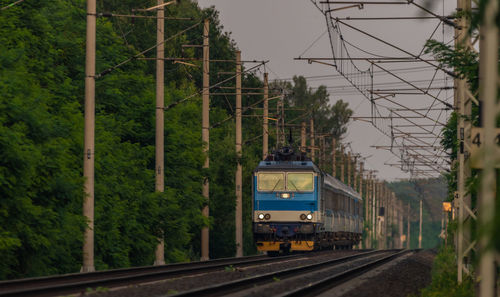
241,284
78,282
315,288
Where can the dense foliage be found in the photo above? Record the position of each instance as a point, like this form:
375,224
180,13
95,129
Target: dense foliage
42,61
444,275
303,100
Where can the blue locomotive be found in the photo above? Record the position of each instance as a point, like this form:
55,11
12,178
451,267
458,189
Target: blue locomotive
298,207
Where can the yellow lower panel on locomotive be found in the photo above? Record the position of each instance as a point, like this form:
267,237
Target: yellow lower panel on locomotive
302,246
275,245
268,246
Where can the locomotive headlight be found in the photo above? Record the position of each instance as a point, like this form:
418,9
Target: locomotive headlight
285,195
267,216
302,216
309,216
261,216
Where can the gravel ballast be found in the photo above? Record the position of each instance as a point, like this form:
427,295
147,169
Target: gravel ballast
173,286
408,276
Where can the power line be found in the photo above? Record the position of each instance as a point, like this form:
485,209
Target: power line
338,76
314,42
144,51
12,4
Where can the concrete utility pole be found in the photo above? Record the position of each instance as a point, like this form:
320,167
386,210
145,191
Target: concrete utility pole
361,173
354,176
367,210
89,136
377,218
334,150
488,87
443,230
282,119
446,230
205,136
420,228
394,219
265,120
408,232
374,212
323,150
362,212
463,104
278,115
387,217
239,200
160,121
303,146
381,216
342,169
349,169
312,138
320,152
400,223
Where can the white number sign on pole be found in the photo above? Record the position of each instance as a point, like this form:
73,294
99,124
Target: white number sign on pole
476,150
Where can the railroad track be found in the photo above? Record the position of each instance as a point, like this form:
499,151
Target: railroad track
331,281
261,285
80,282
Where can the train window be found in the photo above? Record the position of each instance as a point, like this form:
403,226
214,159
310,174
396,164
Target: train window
271,181
300,182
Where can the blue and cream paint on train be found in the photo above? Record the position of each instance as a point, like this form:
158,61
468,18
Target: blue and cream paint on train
297,207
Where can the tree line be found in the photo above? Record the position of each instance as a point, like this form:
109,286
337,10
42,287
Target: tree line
42,61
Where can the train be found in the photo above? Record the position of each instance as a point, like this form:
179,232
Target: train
297,207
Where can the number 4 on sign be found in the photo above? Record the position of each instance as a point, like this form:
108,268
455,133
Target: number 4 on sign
477,147
477,140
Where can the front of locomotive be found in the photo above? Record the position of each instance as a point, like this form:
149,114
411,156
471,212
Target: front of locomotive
285,205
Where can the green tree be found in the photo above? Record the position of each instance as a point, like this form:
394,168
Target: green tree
328,118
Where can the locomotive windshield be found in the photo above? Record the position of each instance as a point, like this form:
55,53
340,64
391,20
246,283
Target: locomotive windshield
302,182
271,181
275,181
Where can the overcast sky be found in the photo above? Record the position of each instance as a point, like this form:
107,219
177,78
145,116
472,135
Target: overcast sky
281,30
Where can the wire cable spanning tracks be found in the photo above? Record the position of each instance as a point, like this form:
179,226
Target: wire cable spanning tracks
239,285
78,282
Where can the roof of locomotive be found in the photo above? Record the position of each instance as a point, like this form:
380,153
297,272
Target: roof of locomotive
287,165
287,158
